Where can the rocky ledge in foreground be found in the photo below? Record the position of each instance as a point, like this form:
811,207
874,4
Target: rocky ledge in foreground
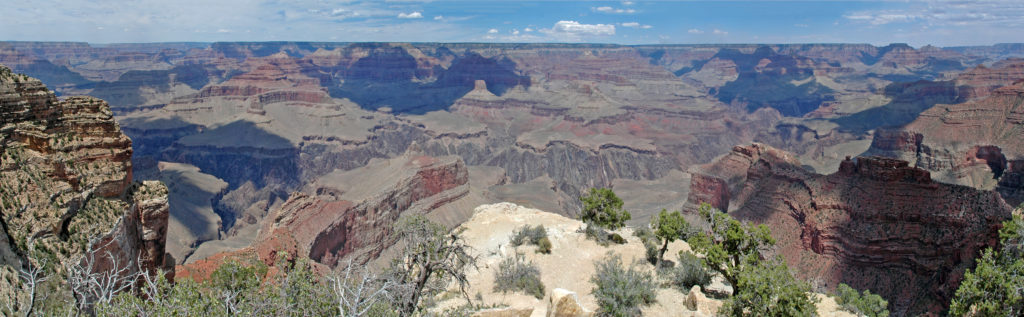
876,224
567,270
66,191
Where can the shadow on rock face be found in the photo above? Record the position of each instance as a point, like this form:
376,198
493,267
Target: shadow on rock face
390,77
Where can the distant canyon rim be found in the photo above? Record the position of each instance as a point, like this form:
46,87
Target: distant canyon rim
318,148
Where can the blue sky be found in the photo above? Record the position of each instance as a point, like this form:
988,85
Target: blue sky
936,22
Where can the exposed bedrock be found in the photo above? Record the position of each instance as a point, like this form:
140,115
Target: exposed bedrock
351,214
66,186
976,143
877,223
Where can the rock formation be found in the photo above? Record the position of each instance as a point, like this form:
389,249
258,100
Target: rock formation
876,224
351,214
67,186
976,143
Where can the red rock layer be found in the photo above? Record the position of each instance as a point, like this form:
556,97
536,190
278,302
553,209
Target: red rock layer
876,224
326,229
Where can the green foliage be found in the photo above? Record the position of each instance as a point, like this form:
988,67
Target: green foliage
689,272
996,285
532,235
515,274
667,228
544,245
602,236
768,289
650,244
602,208
866,304
729,245
620,291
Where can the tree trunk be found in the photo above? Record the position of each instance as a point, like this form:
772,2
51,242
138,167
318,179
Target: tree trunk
661,255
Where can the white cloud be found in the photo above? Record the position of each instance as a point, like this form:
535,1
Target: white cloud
627,3
528,29
223,31
440,17
695,31
515,32
414,15
801,25
882,18
719,32
573,29
635,25
607,9
492,31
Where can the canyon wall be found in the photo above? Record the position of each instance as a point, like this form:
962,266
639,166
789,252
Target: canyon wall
877,223
67,189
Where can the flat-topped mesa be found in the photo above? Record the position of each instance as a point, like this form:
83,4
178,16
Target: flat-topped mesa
66,184
975,143
877,223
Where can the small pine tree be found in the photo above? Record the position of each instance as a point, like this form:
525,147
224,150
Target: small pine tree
603,208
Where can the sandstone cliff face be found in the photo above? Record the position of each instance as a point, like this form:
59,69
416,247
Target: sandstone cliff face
876,224
67,189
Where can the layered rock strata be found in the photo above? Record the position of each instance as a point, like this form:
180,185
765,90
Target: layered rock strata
876,224
67,188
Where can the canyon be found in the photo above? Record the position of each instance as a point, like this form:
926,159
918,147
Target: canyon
67,190
315,149
877,223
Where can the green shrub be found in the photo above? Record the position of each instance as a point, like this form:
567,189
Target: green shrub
620,291
993,287
866,304
667,228
544,245
689,272
767,288
601,207
602,236
515,274
532,235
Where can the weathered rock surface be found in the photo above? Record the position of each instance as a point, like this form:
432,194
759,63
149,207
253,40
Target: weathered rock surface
563,303
567,270
67,186
351,214
976,143
270,119
876,224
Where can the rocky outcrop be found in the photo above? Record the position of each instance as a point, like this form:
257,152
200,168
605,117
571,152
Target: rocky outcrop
976,143
67,186
563,303
351,214
877,223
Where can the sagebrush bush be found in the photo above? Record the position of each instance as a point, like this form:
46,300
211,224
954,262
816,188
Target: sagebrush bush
602,236
532,235
620,291
516,274
689,272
